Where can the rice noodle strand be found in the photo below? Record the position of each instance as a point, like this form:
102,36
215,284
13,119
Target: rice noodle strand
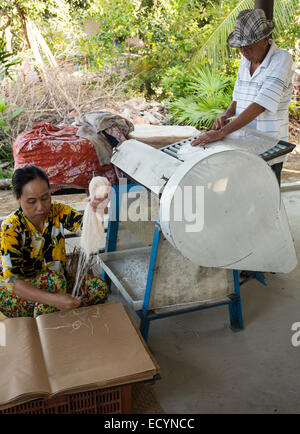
92,232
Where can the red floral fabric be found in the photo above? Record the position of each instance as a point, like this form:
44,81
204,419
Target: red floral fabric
68,160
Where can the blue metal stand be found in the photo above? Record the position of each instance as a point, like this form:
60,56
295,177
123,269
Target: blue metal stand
146,315
113,227
235,306
234,303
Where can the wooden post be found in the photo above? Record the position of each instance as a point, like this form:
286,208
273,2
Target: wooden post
267,6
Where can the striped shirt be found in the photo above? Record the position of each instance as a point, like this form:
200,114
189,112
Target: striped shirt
271,87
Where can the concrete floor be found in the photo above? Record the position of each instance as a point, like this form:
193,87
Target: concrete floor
207,368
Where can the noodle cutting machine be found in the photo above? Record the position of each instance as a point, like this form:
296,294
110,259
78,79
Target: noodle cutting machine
186,220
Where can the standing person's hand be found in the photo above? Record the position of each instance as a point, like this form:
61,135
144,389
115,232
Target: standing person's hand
220,122
208,137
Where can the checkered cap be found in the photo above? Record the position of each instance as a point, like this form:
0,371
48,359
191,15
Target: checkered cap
251,26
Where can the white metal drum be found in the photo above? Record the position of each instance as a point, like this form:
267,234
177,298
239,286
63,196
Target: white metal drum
235,219
221,208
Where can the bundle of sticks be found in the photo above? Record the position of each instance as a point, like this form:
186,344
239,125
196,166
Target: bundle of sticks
72,266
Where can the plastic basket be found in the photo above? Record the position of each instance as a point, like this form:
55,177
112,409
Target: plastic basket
115,400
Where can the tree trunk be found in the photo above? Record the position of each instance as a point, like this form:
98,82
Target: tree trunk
267,6
23,21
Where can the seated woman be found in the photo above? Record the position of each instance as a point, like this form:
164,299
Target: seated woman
33,254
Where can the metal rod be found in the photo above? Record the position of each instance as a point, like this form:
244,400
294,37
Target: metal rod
152,317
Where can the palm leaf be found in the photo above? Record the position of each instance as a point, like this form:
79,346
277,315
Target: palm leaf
7,60
205,81
215,51
199,110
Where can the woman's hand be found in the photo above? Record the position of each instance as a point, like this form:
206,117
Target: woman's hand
100,191
65,302
28,292
97,201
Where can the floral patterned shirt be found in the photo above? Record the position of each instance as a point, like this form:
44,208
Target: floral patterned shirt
25,252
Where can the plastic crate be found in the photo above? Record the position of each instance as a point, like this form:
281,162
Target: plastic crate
115,400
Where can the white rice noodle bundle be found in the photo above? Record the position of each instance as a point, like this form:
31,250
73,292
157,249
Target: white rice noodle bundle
92,232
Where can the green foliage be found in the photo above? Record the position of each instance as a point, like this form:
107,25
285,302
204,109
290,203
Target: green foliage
176,36
6,154
5,150
172,32
209,94
52,17
169,32
294,107
114,21
5,173
174,82
79,4
5,117
7,60
289,34
206,82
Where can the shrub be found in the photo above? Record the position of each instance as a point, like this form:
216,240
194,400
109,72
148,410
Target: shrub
7,60
209,94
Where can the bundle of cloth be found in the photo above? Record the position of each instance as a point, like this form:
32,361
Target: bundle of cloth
72,155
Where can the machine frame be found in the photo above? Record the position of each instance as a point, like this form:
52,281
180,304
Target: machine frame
146,314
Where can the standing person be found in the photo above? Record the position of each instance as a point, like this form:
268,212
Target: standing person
33,255
263,88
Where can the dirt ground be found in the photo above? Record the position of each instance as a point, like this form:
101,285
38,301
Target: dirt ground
291,169
290,173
